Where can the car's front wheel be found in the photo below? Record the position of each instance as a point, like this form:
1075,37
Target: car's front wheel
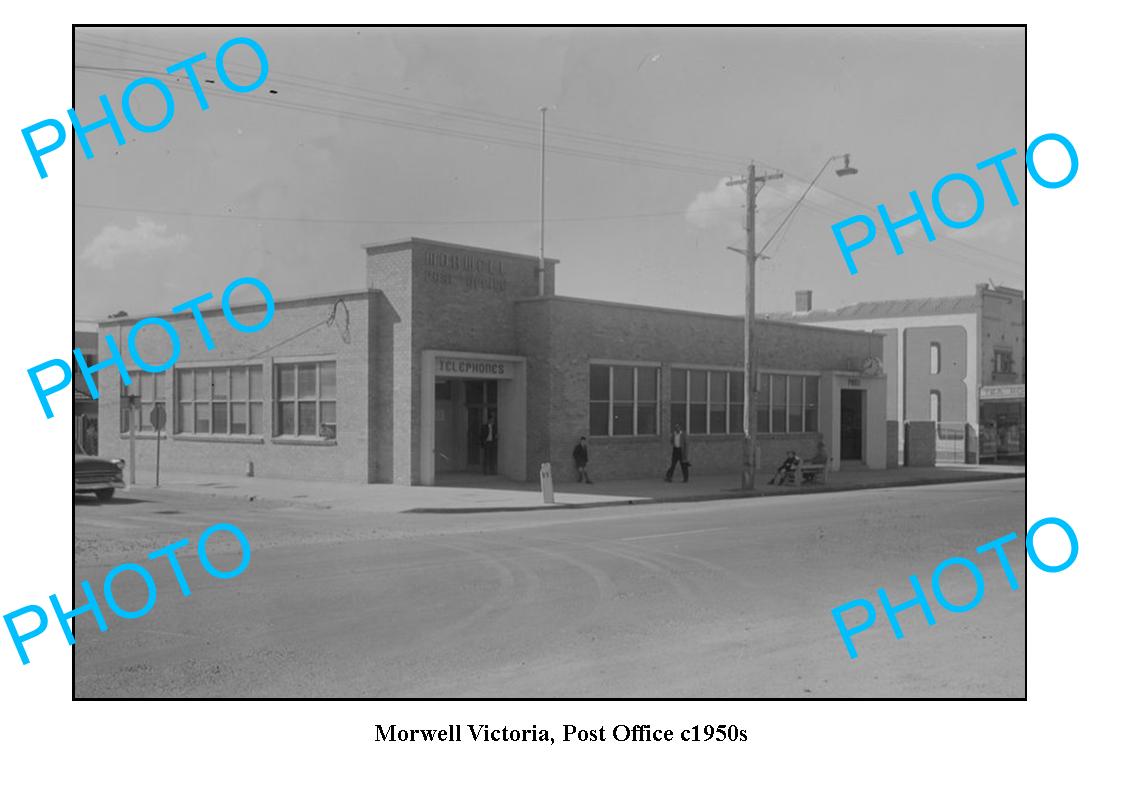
105,494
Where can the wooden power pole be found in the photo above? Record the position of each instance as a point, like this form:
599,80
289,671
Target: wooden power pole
748,417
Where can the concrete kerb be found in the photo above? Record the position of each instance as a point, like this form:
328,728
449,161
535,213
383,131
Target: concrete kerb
326,503
730,494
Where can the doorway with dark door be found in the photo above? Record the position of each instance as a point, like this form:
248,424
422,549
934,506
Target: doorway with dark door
850,425
461,410
481,400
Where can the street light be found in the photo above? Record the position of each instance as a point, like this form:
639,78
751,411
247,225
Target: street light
845,171
748,417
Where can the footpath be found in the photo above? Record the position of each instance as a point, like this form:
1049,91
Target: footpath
474,493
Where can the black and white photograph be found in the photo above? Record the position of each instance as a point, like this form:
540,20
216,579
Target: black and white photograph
629,362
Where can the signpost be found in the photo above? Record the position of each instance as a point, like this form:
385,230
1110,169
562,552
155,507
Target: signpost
159,417
134,420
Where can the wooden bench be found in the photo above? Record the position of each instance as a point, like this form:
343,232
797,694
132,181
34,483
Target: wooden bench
807,473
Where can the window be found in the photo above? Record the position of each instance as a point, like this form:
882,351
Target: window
787,404
304,403
91,361
707,401
1003,360
149,389
934,357
623,400
934,405
219,401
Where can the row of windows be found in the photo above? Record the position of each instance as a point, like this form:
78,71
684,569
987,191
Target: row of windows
624,401
224,401
787,404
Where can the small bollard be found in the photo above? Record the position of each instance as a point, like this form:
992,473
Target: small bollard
546,478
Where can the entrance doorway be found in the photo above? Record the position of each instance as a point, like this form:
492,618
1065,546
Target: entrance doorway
458,391
850,425
461,408
480,401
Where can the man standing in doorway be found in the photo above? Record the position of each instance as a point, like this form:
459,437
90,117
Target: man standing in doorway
678,455
489,440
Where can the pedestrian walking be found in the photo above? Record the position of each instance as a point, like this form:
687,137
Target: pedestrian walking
678,455
489,441
581,459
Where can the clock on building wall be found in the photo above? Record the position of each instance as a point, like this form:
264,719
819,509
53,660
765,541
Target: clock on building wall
871,366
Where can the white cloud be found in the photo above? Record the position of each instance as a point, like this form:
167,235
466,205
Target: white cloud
115,245
723,207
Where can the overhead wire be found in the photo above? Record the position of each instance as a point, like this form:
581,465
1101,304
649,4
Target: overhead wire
415,222
450,132
480,117
429,106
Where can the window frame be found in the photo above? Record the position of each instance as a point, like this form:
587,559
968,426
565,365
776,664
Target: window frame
727,405
764,401
1004,355
194,402
296,399
124,415
634,401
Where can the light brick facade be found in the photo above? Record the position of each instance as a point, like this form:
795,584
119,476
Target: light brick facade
431,307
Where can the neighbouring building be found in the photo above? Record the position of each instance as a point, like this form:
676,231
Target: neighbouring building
85,407
957,360
393,383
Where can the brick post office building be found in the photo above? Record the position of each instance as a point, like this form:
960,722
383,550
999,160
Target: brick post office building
391,384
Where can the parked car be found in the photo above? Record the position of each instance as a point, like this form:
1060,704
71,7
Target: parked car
102,477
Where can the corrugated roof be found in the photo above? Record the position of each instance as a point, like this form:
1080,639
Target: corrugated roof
891,308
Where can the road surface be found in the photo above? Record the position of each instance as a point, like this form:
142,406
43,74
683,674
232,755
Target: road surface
723,599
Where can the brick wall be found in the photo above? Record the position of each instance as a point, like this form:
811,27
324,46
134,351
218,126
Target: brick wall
1003,326
390,271
560,336
920,443
344,459
441,297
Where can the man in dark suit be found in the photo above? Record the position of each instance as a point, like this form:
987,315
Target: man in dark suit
581,459
489,441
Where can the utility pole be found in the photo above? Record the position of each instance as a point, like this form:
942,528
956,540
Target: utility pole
748,418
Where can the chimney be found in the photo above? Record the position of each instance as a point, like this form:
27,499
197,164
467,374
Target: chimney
803,301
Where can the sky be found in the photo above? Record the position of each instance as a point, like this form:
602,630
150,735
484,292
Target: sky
362,135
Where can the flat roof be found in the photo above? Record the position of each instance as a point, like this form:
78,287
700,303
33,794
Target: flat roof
400,242
316,298
693,313
890,308
323,298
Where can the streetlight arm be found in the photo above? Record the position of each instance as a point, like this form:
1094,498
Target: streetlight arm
799,201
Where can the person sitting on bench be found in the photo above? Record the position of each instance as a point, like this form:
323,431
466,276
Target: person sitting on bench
785,469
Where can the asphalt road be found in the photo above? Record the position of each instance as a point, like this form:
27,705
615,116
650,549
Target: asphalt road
722,599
